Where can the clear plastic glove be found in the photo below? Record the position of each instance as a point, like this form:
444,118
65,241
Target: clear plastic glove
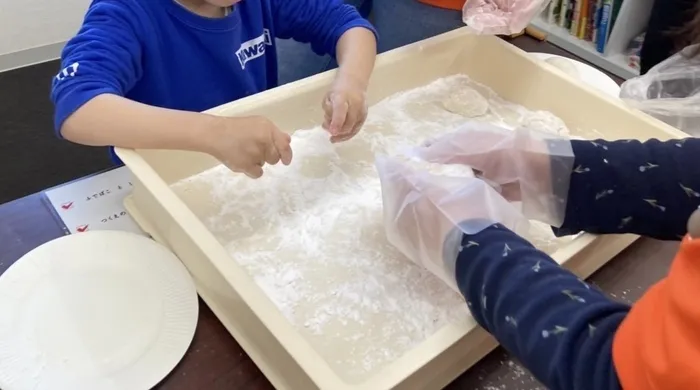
531,167
425,213
501,17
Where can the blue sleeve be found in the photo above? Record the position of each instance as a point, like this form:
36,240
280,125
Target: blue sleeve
648,188
319,22
558,326
103,58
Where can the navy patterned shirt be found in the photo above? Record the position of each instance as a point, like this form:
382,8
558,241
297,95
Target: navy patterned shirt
557,325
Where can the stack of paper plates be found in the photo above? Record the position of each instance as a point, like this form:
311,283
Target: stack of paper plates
584,72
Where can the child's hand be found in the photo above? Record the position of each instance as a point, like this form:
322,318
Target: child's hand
345,108
245,144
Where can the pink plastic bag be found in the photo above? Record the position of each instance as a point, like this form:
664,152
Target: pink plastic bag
501,17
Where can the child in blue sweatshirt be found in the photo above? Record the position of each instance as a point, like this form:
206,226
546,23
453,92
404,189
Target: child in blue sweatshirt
138,72
567,333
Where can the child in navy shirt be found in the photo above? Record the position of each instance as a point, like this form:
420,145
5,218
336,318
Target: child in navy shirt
138,71
570,335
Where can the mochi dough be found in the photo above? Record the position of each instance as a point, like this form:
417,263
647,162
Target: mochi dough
466,102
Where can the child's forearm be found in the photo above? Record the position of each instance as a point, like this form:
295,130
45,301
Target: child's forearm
110,120
559,327
645,188
356,52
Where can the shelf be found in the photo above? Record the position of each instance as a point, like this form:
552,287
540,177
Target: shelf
558,36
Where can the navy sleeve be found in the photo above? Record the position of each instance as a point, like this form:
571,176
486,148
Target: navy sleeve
558,326
319,22
103,58
648,188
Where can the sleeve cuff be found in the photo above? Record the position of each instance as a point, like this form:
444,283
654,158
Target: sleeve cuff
586,154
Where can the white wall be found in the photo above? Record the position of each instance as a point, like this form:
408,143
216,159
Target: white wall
33,31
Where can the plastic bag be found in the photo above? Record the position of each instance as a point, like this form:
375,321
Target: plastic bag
426,211
501,17
670,91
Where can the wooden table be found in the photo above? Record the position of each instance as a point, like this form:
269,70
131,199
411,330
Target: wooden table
215,361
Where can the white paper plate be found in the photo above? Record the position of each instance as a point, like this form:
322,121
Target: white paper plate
102,310
588,74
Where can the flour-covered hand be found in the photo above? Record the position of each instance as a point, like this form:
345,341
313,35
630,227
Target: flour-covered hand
425,214
345,108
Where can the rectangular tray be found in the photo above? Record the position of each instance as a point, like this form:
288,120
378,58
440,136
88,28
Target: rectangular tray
286,358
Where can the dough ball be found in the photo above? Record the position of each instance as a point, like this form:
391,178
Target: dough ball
425,110
314,155
466,102
311,141
564,64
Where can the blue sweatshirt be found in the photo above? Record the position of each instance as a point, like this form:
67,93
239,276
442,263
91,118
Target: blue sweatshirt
158,53
558,326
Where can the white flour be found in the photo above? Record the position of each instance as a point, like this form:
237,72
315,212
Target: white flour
311,234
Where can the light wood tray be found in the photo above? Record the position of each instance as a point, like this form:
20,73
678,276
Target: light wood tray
284,356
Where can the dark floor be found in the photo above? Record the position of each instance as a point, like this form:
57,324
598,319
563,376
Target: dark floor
32,158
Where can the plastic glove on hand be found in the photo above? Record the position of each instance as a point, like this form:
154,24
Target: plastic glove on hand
531,167
425,214
501,17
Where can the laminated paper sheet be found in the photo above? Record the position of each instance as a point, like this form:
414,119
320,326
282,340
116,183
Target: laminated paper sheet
95,203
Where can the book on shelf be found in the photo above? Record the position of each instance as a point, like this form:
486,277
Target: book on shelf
605,25
553,12
592,20
588,20
617,4
583,19
576,18
563,12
